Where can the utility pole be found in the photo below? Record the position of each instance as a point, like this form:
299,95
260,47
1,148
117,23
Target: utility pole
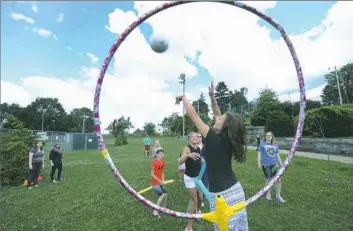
43,112
83,122
198,107
338,86
182,81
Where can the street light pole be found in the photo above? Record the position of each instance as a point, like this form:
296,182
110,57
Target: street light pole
338,85
182,81
42,121
83,122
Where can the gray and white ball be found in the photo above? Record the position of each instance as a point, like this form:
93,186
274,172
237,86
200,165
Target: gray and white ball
159,44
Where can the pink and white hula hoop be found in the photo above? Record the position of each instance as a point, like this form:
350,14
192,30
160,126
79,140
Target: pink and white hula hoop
107,60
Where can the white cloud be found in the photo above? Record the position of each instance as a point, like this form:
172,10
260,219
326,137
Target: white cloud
312,94
17,17
69,48
94,59
60,18
35,8
22,97
45,33
234,48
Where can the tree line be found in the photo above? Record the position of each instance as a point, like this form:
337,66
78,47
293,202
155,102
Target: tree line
280,117
47,114
266,110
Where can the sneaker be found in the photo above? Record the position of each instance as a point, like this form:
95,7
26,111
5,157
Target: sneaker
202,204
156,214
29,188
37,186
268,197
280,199
53,181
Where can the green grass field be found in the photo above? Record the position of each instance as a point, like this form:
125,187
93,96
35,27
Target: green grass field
90,198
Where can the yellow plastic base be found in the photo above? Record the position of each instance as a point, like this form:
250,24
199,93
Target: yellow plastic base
222,213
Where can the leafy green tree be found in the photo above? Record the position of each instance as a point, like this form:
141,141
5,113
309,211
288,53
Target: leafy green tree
330,95
74,120
222,96
201,106
52,112
149,128
10,109
267,104
238,100
14,148
118,129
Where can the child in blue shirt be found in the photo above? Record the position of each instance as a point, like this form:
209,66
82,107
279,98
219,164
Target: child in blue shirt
268,159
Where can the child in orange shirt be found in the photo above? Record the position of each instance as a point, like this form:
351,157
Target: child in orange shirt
157,180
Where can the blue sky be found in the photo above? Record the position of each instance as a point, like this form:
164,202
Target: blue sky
32,63
24,53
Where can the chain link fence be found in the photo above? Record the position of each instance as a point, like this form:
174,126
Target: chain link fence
68,141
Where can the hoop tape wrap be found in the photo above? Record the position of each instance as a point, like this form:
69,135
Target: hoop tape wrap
107,60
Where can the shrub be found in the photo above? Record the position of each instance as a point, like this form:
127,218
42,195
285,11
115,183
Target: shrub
120,139
280,124
329,121
14,148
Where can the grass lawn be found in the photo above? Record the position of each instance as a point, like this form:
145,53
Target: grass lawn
91,199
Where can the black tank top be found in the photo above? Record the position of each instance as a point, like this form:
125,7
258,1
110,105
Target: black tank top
192,167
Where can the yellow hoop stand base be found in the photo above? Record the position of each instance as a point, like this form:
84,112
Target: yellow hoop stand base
150,188
222,213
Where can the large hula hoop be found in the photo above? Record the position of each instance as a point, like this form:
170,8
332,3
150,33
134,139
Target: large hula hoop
107,60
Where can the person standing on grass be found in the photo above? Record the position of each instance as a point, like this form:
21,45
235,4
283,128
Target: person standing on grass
225,140
204,176
181,169
55,158
147,142
192,159
36,163
268,158
258,142
156,147
157,180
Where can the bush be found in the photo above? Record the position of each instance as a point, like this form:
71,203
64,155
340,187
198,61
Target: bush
14,148
280,124
120,139
329,121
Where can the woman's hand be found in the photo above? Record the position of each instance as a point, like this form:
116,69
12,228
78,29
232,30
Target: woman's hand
43,165
194,155
30,167
51,163
178,99
259,165
211,90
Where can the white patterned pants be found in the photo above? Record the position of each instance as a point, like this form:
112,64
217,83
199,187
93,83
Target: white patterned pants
233,195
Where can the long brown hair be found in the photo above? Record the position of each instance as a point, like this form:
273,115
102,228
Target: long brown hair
234,130
273,140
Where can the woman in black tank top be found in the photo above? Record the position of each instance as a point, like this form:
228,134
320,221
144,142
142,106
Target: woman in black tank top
225,140
192,159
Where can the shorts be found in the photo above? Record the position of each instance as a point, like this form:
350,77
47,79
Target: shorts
189,181
159,190
181,167
268,172
233,195
147,147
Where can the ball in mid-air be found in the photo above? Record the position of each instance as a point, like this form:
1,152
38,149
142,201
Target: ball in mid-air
159,43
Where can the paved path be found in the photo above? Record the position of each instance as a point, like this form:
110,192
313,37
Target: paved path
344,159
